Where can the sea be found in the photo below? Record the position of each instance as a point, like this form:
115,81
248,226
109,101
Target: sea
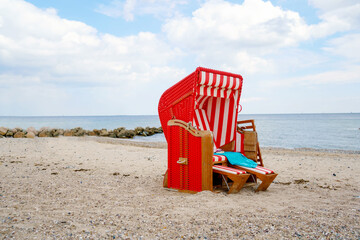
340,131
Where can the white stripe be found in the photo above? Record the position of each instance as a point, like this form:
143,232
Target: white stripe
198,100
216,124
225,122
222,93
215,92
254,170
206,120
210,78
231,80
228,170
237,83
228,93
202,90
234,118
199,119
208,91
265,169
224,81
217,80
203,76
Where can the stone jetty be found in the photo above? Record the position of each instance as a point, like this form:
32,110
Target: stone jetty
120,132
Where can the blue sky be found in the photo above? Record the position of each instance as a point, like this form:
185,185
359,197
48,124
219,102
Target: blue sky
113,57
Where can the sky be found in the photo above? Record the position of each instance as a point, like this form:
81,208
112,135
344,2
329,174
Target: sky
116,57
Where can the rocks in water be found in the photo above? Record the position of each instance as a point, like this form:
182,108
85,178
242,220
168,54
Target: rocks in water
3,131
30,135
126,133
139,131
148,131
97,132
19,134
9,133
92,133
31,129
45,133
104,133
68,133
120,132
78,132
57,132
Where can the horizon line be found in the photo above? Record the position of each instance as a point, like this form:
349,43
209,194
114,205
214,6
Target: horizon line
157,114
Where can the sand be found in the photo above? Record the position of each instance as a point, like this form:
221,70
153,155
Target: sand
91,188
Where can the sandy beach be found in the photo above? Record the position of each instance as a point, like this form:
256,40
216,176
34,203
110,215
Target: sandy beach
92,187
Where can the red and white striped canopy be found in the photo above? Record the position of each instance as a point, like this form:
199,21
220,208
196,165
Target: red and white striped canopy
219,80
216,101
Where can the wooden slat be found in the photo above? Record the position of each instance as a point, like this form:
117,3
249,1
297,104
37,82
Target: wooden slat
206,160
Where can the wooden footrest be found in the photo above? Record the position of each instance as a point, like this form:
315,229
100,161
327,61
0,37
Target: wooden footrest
266,176
238,177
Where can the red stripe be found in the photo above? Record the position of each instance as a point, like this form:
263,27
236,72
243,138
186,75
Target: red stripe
228,82
221,80
207,78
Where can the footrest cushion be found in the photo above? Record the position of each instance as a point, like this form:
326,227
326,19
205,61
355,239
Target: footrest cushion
230,170
258,169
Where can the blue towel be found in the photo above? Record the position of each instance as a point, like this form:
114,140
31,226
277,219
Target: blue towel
236,158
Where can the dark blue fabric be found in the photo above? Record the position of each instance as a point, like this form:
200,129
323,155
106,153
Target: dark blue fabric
236,158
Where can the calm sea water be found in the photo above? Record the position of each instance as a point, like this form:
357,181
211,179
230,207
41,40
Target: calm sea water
319,131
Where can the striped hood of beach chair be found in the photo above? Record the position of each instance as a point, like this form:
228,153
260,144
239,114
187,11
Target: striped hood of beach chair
207,98
216,105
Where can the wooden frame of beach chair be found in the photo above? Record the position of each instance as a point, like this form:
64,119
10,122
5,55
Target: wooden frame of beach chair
209,94
251,149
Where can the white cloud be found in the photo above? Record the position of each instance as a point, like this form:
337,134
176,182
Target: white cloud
346,75
252,24
129,8
336,16
347,46
326,5
37,47
237,37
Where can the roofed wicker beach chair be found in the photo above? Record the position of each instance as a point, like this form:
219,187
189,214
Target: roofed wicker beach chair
199,115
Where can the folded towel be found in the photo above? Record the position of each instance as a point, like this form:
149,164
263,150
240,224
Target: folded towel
236,158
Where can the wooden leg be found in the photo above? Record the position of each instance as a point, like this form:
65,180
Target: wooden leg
266,180
238,182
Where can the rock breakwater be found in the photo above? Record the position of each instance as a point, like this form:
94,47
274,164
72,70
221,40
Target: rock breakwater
120,132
